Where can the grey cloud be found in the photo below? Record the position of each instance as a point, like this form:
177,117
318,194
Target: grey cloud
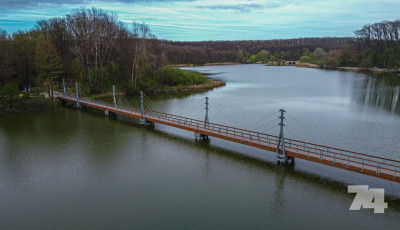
237,7
29,4
275,5
22,4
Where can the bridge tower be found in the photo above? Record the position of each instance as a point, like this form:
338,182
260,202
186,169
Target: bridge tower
114,100
206,121
206,118
64,87
280,148
143,120
78,105
142,113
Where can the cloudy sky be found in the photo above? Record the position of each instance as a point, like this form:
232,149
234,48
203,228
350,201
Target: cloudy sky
193,20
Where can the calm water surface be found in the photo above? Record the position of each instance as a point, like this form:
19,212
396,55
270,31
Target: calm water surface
74,169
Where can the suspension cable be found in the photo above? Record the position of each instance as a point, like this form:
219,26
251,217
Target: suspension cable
255,123
192,107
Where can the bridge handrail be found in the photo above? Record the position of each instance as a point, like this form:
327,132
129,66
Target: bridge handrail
224,128
307,149
378,165
286,139
342,150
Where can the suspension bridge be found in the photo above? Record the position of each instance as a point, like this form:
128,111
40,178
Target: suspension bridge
285,149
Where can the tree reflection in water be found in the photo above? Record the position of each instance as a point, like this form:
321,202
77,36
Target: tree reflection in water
380,91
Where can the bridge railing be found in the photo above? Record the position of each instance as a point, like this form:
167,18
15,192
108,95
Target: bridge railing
335,155
217,129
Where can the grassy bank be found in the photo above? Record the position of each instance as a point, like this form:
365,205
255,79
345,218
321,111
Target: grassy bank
24,104
210,84
172,79
307,65
167,80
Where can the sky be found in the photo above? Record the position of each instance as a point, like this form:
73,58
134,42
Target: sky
196,20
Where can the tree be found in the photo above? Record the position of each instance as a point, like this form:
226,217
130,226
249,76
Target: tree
23,57
262,56
80,24
10,90
347,53
62,39
141,47
48,61
319,54
105,36
305,59
332,59
4,57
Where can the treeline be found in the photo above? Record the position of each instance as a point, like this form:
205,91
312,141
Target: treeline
247,51
378,44
89,46
375,45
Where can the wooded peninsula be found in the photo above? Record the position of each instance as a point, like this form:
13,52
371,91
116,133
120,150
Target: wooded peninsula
94,48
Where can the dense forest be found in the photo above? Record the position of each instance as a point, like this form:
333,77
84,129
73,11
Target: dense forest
375,45
94,48
247,51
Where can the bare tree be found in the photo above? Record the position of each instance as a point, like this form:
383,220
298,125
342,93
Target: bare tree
80,24
141,35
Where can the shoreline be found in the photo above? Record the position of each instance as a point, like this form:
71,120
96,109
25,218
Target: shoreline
24,105
213,84
207,64
346,68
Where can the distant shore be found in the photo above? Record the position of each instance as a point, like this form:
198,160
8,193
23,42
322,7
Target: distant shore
354,69
207,64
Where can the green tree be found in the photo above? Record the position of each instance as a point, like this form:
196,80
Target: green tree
22,54
252,59
319,54
347,53
48,61
4,56
262,56
10,90
305,58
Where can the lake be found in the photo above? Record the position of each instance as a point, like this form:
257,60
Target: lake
75,169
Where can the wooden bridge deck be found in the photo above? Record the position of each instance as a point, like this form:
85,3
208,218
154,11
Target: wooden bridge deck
380,167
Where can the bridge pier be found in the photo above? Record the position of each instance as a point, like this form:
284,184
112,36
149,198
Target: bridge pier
147,123
284,160
201,136
83,107
78,105
110,114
